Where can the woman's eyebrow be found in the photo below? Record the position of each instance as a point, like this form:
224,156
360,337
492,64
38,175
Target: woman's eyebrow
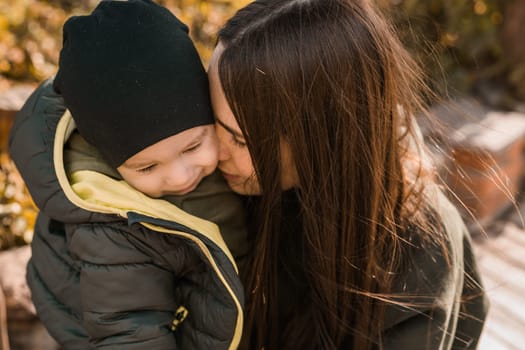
229,129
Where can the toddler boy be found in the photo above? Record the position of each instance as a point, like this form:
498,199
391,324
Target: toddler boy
127,252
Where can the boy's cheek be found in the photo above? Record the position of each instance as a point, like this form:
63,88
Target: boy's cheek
211,157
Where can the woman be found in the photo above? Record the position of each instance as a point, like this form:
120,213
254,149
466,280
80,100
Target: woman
354,245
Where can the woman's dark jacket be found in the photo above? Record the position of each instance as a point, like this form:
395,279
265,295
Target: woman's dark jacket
438,301
112,268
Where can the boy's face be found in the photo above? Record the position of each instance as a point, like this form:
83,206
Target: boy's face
174,165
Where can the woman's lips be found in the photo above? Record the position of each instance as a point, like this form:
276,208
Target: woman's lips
230,177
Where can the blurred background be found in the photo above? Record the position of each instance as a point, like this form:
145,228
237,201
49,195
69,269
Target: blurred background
474,57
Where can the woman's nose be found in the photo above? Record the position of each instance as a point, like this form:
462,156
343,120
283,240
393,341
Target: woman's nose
224,153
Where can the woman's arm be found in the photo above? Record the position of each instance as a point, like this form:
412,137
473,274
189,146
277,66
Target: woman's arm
446,305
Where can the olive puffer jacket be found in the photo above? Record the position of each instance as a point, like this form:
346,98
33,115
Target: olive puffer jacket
112,268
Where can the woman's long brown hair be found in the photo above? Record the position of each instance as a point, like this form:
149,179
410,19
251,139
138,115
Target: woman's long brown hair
330,78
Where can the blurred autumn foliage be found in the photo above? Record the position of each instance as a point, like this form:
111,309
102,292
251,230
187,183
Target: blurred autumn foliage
459,42
465,47
17,211
31,31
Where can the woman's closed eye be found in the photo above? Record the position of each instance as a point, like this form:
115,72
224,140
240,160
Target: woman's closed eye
238,142
236,136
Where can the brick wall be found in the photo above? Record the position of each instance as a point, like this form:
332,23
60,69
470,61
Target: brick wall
484,167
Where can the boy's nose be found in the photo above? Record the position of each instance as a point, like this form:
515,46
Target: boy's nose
178,176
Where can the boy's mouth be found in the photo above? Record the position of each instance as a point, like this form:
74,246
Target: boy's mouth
187,189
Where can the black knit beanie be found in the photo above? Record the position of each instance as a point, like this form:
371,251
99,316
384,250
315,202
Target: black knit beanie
131,76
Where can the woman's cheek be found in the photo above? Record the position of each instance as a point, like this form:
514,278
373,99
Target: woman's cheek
244,162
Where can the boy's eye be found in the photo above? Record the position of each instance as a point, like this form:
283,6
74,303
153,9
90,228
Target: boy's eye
146,169
192,148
